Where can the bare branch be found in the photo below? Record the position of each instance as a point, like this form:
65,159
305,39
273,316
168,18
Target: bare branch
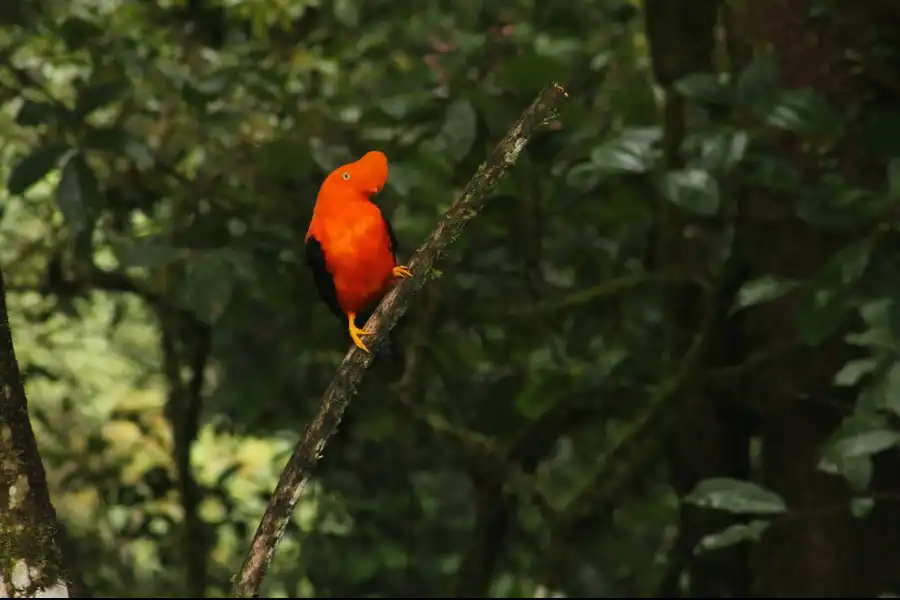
305,456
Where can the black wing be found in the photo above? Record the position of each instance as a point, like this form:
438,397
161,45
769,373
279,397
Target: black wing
315,260
393,238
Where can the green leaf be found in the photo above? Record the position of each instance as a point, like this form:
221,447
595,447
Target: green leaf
694,190
849,450
34,167
34,113
853,371
98,95
805,113
706,88
719,151
730,536
861,507
824,305
634,151
840,208
763,289
866,443
77,192
460,129
757,85
736,496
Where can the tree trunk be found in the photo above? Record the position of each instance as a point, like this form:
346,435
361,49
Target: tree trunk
824,552
31,555
708,438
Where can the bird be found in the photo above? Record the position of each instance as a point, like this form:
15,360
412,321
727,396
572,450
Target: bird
350,246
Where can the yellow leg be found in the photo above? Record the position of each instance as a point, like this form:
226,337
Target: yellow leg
355,332
402,272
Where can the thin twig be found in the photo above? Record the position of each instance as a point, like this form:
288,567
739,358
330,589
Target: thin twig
305,456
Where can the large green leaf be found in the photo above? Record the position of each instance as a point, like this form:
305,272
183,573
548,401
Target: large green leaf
718,150
849,451
34,167
736,496
806,113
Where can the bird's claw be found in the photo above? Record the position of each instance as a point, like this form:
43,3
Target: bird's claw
355,332
402,272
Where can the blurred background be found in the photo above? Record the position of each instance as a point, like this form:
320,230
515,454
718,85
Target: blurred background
661,363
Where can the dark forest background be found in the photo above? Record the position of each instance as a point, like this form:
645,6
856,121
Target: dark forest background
663,362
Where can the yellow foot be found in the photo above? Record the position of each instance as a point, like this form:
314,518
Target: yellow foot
402,272
355,332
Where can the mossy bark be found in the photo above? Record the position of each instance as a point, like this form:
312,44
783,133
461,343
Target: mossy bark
31,555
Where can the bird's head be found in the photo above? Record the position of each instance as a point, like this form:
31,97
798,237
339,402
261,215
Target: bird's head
366,176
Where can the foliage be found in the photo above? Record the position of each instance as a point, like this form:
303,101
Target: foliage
161,160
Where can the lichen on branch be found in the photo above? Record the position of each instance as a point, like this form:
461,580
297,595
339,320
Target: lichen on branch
336,398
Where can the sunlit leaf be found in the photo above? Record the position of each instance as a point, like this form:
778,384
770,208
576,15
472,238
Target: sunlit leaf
736,496
763,289
853,371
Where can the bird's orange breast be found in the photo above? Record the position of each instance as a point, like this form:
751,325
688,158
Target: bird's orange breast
357,252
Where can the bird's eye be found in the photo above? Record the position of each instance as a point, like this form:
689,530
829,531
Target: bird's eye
346,176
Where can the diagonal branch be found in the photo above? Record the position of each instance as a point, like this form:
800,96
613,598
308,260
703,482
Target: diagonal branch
297,471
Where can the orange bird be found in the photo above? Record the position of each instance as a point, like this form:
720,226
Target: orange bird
350,246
